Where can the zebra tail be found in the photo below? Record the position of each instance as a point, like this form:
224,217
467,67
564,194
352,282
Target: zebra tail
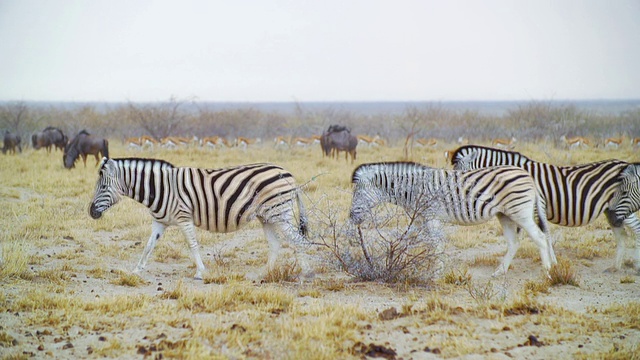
303,216
541,205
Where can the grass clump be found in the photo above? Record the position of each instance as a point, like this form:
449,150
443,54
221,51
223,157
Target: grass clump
563,273
125,278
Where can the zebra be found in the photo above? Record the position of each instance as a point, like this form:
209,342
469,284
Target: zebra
465,198
218,200
576,195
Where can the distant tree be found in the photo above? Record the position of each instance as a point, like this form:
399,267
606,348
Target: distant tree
158,119
14,115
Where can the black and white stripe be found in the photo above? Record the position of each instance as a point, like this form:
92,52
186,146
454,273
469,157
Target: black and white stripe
575,195
457,197
218,200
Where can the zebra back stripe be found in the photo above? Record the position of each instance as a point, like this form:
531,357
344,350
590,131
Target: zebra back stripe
576,195
470,196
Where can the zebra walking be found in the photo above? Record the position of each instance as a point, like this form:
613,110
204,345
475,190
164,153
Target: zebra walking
220,200
575,195
465,198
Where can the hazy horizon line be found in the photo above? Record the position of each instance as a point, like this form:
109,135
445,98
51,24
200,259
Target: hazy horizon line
187,99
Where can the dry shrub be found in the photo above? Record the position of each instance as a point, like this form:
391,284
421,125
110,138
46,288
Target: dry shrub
563,273
485,293
393,248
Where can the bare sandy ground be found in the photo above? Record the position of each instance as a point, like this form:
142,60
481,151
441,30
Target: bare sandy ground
567,322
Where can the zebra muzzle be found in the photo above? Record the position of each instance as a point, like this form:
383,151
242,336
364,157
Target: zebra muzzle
95,213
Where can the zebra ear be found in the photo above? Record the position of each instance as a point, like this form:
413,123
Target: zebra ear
104,161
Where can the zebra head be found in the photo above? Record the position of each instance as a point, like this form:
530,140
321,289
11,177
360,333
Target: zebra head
626,199
366,195
465,161
107,193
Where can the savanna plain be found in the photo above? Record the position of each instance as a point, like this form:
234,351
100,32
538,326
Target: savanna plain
67,290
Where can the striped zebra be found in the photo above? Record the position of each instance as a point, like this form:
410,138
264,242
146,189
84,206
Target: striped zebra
575,195
220,200
464,198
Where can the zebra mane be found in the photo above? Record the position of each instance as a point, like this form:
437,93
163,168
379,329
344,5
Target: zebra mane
163,163
465,150
364,171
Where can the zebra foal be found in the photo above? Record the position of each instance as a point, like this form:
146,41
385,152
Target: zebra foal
464,198
218,200
575,195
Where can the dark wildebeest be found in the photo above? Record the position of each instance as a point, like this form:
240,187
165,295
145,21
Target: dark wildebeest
50,136
324,143
82,145
338,138
11,141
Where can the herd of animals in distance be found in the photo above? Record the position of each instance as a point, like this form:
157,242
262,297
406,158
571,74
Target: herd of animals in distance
486,182
335,138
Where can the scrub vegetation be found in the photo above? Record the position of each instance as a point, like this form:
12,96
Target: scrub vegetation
67,291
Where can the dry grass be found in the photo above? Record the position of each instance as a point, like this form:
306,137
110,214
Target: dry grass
563,273
66,279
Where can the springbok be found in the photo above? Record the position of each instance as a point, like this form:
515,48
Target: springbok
427,142
210,141
171,142
575,142
504,143
613,143
243,142
281,142
133,142
302,141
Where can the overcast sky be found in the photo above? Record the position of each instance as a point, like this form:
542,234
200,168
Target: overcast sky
321,50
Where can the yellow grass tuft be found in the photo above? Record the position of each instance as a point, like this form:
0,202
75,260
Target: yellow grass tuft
457,277
535,287
627,279
486,260
628,312
563,273
126,278
287,272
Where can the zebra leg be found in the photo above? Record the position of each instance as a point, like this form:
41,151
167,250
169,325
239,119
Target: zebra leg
189,231
633,223
435,235
157,229
509,229
274,244
619,235
541,239
287,228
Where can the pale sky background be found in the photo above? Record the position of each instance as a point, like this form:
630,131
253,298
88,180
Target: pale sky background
325,50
